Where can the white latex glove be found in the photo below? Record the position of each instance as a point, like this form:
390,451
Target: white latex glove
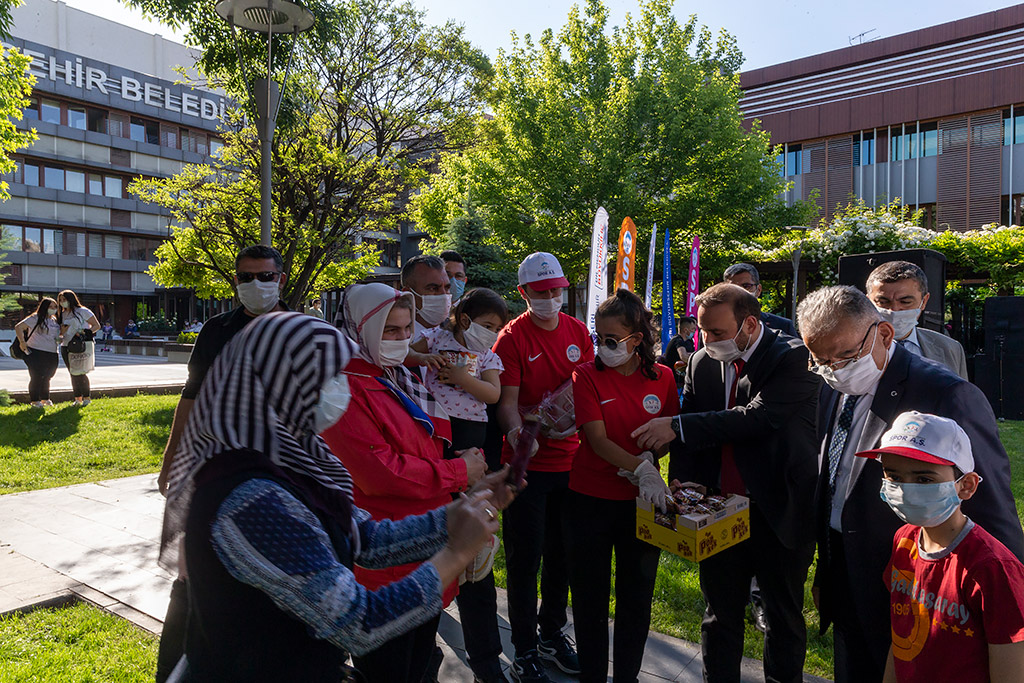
653,488
632,478
561,435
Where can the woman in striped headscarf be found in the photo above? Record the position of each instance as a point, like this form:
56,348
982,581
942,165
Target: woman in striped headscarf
392,441
270,533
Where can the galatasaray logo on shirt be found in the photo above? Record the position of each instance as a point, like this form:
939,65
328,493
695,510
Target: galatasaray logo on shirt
652,404
572,352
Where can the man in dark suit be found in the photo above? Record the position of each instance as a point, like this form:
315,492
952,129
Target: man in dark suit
748,428
871,380
746,276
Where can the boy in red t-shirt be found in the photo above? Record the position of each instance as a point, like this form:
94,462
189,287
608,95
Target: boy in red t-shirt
957,594
539,351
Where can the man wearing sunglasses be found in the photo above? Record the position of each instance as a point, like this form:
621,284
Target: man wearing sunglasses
259,280
869,381
747,428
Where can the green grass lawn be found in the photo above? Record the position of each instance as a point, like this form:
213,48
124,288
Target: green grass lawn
109,438
75,644
118,437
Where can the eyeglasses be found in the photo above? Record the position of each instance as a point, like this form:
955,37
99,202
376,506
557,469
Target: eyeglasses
265,276
749,286
609,343
813,365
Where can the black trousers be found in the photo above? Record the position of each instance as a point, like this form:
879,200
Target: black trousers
725,583
79,383
478,601
860,652
402,659
172,639
42,365
532,531
592,528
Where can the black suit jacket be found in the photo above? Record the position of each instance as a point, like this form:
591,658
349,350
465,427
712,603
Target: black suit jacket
771,430
779,324
909,383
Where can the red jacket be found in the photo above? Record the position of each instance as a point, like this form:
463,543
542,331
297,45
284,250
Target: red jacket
397,468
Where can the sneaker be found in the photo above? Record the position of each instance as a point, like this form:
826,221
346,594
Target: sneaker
528,669
77,402
86,401
47,402
37,404
561,651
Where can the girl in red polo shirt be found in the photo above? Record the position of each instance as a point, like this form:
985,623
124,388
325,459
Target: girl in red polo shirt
615,394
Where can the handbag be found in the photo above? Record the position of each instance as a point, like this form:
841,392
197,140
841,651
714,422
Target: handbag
16,351
82,362
77,344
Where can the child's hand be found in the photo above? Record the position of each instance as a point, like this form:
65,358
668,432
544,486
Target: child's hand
454,374
434,361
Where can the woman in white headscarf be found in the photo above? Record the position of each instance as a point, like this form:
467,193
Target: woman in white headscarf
391,440
270,533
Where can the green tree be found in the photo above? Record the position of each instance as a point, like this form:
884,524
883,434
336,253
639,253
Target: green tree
487,265
643,121
15,87
374,96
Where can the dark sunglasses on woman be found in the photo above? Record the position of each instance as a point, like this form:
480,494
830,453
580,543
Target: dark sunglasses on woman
612,344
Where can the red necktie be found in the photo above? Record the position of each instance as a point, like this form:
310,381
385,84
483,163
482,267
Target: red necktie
731,481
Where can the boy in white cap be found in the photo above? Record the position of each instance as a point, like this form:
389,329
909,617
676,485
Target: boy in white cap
957,594
539,350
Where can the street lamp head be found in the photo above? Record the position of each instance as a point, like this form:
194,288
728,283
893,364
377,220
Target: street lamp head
266,16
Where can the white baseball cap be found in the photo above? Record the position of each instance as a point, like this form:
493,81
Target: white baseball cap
541,271
928,438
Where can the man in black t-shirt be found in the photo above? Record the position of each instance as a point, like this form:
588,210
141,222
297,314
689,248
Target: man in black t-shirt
259,280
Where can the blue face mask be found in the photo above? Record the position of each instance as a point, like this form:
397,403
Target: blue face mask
924,505
458,288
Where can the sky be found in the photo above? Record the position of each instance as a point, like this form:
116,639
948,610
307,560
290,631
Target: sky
767,33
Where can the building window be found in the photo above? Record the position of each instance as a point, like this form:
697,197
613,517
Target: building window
864,149
794,165
74,181
95,184
76,117
32,110
97,121
216,144
929,139
53,177
31,174
112,246
33,240
10,238
95,245
112,186
74,242
49,111
142,130
53,241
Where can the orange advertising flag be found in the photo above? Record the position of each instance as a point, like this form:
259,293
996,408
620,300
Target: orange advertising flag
625,266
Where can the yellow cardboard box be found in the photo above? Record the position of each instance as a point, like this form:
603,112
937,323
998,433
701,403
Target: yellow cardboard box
697,537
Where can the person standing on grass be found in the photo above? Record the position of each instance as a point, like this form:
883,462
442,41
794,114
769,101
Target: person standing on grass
539,349
38,336
75,321
259,280
615,394
464,388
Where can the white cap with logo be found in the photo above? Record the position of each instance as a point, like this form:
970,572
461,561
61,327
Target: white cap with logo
541,271
928,438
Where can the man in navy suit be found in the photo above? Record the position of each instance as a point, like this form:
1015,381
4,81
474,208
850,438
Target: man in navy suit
869,381
746,276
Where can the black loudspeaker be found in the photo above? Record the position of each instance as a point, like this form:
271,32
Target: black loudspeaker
999,371
855,268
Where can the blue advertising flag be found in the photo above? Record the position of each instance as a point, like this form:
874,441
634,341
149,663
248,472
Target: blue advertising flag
668,316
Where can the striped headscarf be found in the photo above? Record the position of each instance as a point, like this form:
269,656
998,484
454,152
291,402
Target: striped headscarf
261,395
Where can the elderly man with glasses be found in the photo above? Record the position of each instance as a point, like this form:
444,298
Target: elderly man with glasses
259,281
869,381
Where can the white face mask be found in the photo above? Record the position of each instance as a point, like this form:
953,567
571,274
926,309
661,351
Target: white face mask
903,321
259,297
479,338
392,352
53,311
614,359
435,308
546,309
857,378
65,304
725,351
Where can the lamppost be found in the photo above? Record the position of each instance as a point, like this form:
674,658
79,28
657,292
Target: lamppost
265,17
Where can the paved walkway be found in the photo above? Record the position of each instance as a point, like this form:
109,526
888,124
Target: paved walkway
115,374
99,542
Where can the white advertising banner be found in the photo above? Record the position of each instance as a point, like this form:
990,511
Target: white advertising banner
597,285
